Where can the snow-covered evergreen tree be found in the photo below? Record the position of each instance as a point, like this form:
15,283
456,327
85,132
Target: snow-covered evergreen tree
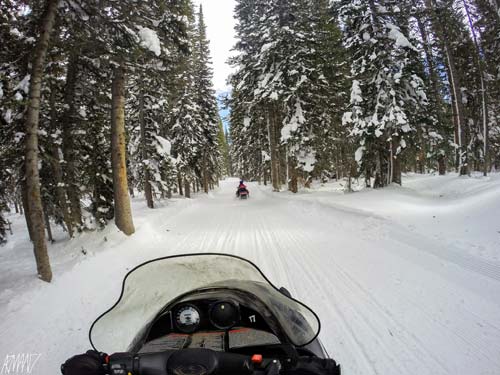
284,83
152,169
187,134
386,91
206,102
488,22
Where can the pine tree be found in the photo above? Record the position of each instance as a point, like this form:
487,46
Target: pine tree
486,22
206,103
333,148
131,34
151,89
186,132
451,39
433,140
195,116
283,101
386,87
17,32
35,210
253,133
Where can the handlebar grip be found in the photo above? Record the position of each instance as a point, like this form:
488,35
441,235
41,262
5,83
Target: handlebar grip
120,364
140,364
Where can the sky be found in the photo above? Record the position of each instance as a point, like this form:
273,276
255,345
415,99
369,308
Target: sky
220,30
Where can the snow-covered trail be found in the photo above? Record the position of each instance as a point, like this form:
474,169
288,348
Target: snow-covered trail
386,307
391,300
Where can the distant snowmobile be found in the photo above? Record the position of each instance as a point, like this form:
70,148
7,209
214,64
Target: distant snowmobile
242,191
205,314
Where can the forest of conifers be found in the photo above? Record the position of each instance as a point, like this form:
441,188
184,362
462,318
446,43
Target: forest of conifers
101,100
365,88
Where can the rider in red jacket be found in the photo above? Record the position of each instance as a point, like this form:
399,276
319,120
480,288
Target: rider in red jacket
241,188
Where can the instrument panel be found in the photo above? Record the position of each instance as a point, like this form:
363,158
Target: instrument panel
223,315
206,315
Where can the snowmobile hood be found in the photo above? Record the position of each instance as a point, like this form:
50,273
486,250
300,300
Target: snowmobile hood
149,287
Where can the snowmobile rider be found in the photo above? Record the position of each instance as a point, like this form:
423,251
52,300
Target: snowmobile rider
95,363
241,188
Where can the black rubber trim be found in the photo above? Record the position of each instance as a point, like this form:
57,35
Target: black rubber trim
195,255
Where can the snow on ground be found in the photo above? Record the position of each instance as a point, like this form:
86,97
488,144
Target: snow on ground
405,280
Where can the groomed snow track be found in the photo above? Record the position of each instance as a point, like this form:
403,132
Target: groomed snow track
392,301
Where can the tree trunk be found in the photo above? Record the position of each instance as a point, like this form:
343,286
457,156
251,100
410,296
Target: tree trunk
275,178
34,200
349,182
262,166
25,204
459,116
484,102
421,153
187,188
148,191
123,211
16,206
440,29
57,172
287,168
395,163
282,163
47,225
379,178
292,175
442,165
205,173
68,145
179,183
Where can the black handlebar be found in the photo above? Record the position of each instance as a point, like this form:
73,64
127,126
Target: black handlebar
208,362
174,362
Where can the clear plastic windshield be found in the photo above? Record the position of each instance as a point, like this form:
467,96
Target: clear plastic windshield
150,287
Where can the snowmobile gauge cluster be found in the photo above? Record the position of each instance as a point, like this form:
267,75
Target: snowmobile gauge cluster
221,315
201,321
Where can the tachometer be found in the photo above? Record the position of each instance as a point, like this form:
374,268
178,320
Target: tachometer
187,318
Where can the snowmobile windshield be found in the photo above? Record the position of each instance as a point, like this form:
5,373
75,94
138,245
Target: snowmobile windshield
148,288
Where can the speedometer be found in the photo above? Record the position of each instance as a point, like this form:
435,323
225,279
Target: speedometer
187,318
